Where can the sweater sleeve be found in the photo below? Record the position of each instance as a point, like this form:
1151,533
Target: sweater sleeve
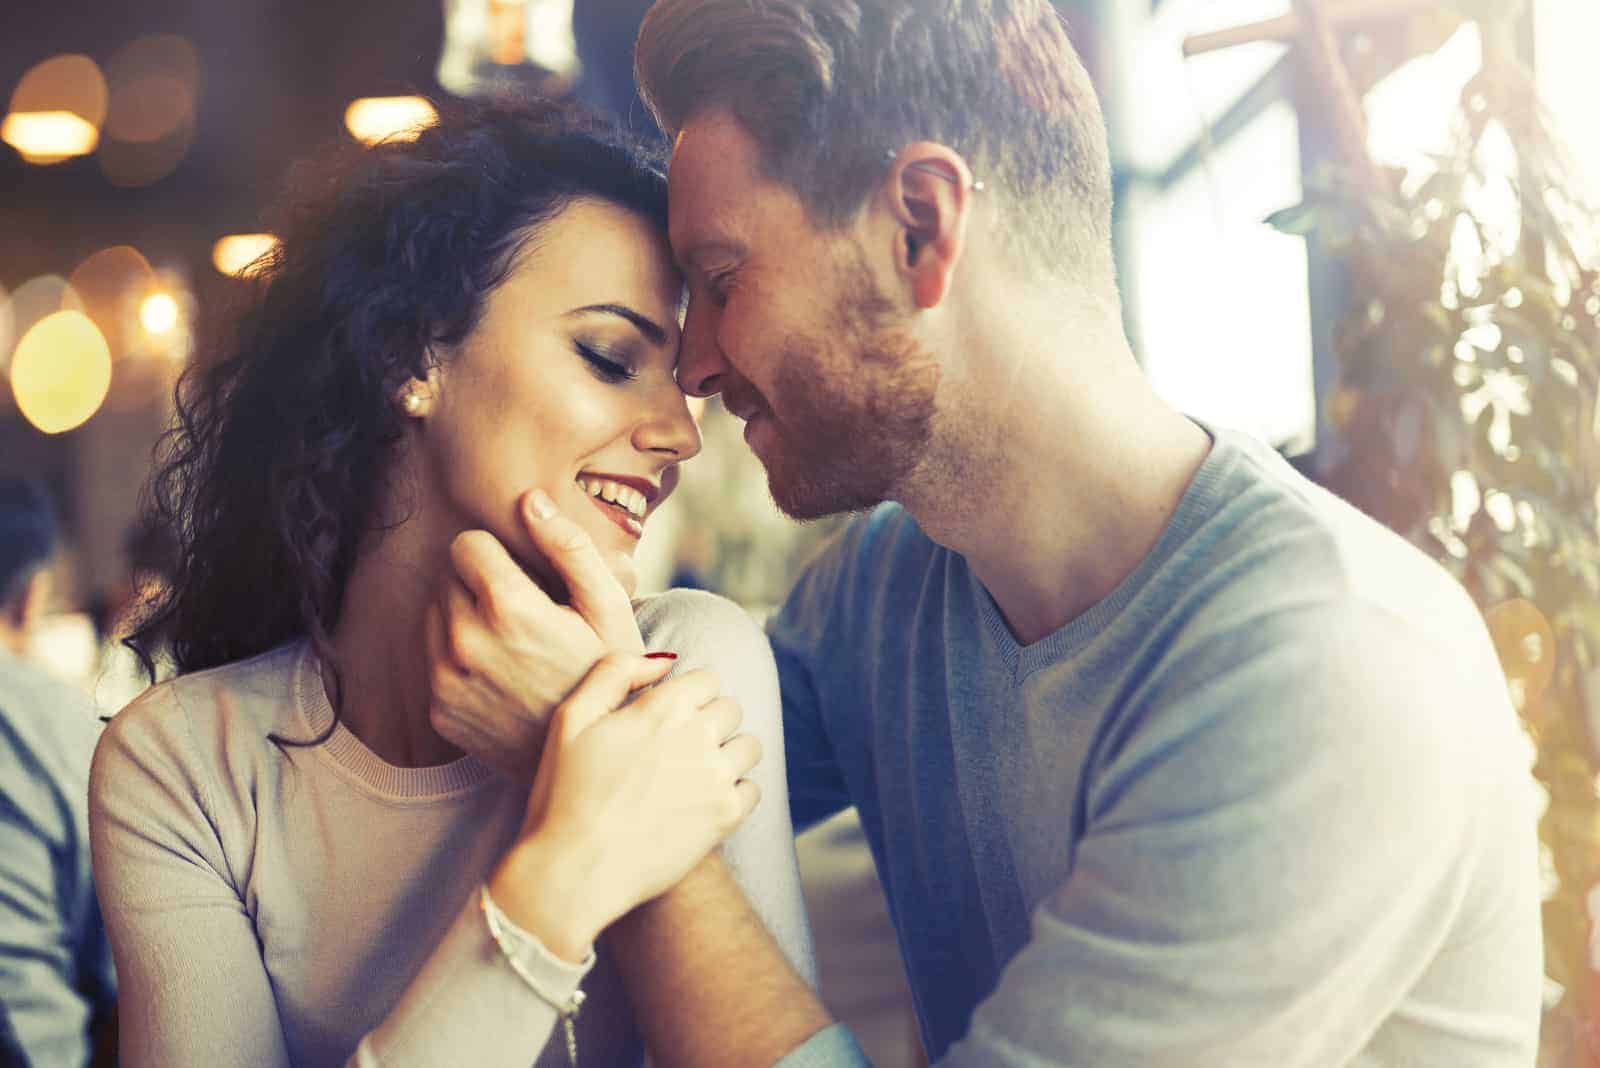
711,632
40,865
194,988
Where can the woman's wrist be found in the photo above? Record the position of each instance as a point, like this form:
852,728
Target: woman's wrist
546,888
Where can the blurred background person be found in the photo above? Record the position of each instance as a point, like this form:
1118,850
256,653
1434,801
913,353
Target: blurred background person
56,977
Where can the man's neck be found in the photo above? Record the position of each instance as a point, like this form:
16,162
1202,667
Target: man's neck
1055,485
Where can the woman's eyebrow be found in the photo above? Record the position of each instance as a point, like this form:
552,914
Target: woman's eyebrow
654,332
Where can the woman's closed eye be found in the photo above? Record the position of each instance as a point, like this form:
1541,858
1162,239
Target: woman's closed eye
605,367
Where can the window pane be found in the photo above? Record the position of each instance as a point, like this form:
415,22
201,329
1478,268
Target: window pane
1223,313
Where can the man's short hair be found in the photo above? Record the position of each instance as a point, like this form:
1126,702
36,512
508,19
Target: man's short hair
28,535
829,88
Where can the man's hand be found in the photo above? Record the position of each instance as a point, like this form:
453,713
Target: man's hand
502,654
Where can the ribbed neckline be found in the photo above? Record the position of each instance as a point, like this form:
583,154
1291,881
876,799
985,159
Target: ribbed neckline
347,751
1199,501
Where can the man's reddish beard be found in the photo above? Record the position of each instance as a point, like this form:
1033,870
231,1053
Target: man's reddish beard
852,415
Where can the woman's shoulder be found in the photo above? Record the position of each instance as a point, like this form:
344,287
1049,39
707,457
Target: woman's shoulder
207,715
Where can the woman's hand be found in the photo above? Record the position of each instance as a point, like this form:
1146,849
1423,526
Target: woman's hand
627,799
502,654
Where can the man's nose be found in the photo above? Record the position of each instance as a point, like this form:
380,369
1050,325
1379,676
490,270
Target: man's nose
702,368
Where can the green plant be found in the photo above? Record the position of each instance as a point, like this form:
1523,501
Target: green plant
1464,418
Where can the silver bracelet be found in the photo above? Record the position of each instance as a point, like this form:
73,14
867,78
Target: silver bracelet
567,1010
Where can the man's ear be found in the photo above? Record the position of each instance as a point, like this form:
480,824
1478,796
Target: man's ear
930,194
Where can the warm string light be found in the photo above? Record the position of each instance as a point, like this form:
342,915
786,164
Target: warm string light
373,119
237,255
56,110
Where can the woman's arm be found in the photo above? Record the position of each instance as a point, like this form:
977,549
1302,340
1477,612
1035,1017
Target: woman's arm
194,990
626,800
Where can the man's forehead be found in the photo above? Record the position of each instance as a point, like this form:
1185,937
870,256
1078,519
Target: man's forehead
714,170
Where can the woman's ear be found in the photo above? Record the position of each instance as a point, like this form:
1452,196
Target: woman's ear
930,194
419,394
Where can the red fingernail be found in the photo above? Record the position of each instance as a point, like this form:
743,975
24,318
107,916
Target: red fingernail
661,656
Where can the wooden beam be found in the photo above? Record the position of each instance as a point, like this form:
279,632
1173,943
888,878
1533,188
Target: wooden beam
1325,67
1289,28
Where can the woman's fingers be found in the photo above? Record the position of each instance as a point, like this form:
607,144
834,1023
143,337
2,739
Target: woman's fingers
680,696
724,716
742,753
749,795
605,689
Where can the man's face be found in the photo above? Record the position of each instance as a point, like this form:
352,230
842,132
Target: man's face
790,324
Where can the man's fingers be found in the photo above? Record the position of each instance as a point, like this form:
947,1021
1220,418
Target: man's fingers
457,615
597,595
742,754
488,570
604,690
434,642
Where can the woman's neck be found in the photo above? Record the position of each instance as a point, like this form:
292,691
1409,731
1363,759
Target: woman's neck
380,647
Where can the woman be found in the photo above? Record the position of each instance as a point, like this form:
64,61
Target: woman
448,323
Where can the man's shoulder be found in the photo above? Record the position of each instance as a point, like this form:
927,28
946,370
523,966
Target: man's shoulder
1290,614
1279,547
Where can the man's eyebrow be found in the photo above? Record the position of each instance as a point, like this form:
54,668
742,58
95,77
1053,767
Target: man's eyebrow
653,331
710,248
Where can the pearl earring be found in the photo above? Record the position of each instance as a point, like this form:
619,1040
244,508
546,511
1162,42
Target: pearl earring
411,402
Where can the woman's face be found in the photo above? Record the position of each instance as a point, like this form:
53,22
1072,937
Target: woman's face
566,385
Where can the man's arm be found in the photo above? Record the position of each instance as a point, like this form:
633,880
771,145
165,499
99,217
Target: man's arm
708,983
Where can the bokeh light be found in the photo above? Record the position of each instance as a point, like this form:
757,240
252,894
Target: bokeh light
64,83
1527,646
39,297
61,372
110,285
56,110
154,85
46,137
159,313
235,254
7,322
373,119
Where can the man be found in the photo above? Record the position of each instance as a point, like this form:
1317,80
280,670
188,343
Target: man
1166,757
56,979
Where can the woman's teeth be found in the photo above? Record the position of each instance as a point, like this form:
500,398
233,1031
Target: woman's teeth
624,497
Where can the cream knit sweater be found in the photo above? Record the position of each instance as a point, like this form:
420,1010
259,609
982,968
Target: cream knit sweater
317,906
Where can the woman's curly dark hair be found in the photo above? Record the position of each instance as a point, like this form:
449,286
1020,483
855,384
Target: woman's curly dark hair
275,468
